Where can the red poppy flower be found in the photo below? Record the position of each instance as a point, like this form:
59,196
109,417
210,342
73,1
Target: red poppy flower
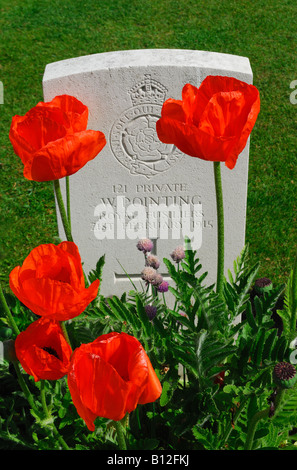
212,122
51,282
52,140
43,350
110,376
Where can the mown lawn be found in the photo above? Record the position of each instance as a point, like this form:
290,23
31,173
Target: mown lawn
37,32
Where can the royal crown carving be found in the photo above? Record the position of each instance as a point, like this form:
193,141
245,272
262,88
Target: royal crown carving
148,91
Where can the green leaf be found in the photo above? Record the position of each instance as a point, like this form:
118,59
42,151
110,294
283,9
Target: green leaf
62,412
269,344
121,311
260,433
97,272
286,412
211,352
250,317
259,346
282,349
289,312
166,395
278,352
205,437
259,310
146,444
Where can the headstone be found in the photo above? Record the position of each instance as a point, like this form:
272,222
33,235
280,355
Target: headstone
138,187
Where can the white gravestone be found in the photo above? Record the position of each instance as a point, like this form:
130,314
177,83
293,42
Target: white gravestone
138,187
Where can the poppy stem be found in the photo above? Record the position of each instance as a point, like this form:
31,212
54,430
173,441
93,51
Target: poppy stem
62,210
138,419
120,434
31,402
7,312
235,419
43,400
220,227
65,216
48,415
68,201
24,387
21,380
64,329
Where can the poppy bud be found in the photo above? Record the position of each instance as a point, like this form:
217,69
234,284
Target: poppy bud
5,332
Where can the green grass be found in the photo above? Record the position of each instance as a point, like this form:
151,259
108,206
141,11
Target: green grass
37,32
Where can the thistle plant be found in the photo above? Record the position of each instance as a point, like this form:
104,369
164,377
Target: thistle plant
217,360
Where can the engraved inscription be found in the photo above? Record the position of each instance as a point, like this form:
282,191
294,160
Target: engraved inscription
133,137
156,211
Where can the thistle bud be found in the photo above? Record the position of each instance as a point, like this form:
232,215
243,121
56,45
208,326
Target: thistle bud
151,311
163,287
145,245
284,375
263,285
153,261
157,280
178,254
148,274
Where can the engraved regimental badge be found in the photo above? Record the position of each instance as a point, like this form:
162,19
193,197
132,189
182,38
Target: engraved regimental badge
133,137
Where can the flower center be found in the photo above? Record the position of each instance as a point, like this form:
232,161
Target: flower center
51,351
284,371
262,282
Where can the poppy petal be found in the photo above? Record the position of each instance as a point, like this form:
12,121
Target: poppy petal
189,98
63,157
30,132
173,109
153,389
55,299
76,112
106,393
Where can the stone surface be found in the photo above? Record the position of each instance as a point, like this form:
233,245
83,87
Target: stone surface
136,176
